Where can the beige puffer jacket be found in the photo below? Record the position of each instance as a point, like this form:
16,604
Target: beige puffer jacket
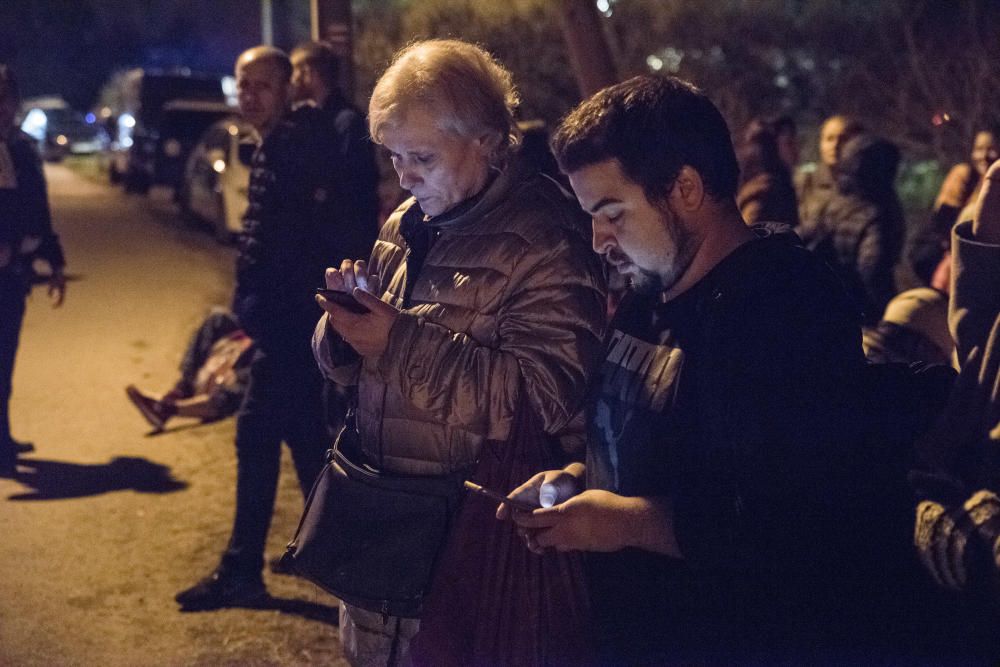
510,298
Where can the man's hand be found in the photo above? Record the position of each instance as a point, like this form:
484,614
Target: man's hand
367,333
547,488
57,287
986,223
598,520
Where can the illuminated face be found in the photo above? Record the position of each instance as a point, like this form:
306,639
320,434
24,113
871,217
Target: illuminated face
301,79
647,244
262,93
985,151
832,137
440,169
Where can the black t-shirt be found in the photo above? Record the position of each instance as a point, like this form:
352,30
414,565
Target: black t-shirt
737,399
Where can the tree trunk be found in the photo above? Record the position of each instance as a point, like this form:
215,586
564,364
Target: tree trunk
589,55
332,23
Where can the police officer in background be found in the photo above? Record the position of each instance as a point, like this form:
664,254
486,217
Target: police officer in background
25,235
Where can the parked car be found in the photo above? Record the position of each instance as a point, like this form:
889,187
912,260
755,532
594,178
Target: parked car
60,130
158,156
145,96
217,176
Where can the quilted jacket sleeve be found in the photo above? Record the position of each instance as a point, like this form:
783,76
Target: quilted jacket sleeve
548,340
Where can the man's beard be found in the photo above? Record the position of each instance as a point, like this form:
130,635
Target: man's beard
645,281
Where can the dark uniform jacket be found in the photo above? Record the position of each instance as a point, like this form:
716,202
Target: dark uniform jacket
312,204
24,212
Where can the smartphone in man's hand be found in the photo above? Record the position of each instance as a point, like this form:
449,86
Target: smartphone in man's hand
343,299
518,505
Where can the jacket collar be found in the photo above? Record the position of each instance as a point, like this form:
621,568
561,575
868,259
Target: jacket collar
486,201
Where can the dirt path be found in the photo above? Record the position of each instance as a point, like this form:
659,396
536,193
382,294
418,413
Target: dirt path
106,523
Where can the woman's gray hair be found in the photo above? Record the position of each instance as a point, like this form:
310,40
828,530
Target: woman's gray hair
469,92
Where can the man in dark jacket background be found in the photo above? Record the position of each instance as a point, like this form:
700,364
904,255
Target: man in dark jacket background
298,212
25,235
315,81
860,229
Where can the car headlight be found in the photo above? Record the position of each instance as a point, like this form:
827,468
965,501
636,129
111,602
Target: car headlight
172,148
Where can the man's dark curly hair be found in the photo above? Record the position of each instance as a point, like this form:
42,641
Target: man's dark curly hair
653,126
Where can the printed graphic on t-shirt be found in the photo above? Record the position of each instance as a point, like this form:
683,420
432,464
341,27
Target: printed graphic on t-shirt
630,422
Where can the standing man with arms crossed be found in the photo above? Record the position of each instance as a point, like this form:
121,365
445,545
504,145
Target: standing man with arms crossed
721,427
25,235
294,197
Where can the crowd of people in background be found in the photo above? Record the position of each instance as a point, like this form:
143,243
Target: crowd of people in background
760,445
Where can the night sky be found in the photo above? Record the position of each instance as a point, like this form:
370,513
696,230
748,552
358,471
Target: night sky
71,47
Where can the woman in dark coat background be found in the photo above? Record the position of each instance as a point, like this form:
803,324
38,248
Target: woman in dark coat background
766,192
860,230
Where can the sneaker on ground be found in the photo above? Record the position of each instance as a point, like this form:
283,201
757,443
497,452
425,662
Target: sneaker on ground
149,408
219,590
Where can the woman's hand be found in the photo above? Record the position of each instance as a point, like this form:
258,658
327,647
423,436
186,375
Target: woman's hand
367,333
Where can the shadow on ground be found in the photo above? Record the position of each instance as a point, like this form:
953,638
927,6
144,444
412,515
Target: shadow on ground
313,611
54,480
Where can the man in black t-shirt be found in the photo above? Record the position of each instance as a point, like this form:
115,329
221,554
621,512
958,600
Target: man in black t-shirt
716,494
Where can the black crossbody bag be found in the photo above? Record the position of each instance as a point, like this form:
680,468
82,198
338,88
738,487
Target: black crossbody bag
373,538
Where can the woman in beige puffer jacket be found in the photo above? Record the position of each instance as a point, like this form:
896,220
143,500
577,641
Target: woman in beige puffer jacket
489,288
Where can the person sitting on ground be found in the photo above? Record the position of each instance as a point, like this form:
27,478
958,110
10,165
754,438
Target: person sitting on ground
214,375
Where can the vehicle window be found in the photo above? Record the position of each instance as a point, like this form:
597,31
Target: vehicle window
188,125
158,90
